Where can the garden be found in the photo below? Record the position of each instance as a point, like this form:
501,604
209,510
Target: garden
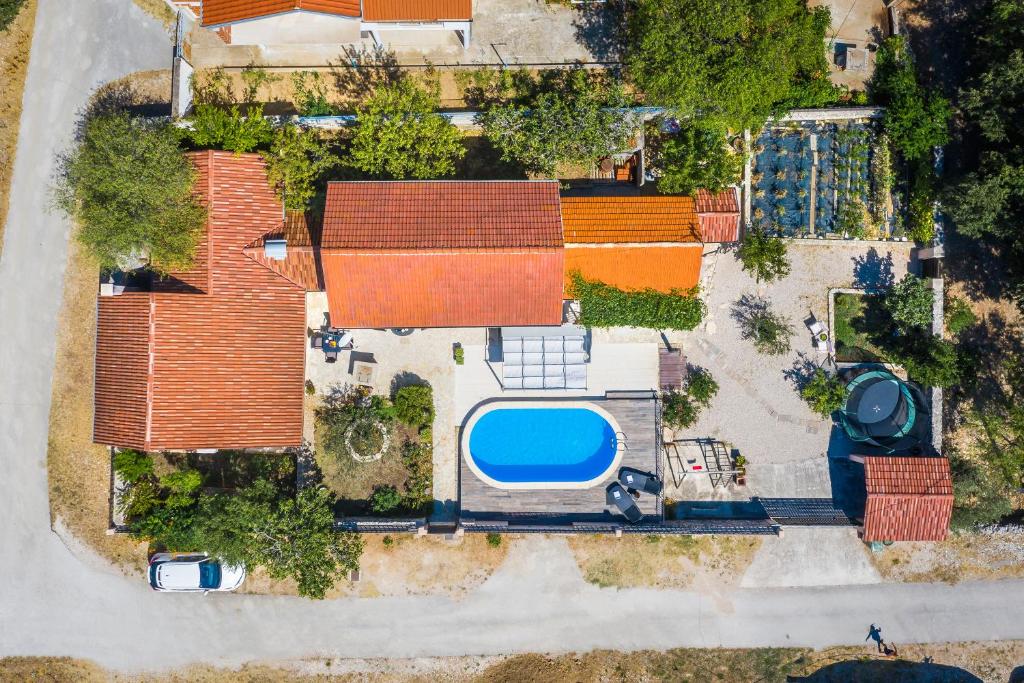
374,453
817,178
858,317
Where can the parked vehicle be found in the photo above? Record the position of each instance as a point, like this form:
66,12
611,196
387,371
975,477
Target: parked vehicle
619,498
192,572
639,481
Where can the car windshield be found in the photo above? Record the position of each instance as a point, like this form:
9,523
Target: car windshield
209,575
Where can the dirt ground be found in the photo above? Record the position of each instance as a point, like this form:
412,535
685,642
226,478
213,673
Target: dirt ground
962,557
15,45
79,470
987,661
664,561
158,9
408,565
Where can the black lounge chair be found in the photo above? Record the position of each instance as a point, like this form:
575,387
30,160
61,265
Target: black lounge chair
619,498
640,481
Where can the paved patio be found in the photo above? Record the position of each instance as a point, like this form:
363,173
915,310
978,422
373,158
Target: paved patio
758,410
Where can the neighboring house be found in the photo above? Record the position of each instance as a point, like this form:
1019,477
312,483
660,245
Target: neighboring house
269,22
213,357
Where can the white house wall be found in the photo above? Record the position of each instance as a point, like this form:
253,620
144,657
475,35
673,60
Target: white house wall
296,28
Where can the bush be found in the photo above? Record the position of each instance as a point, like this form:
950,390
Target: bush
824,393
385,499
493,539
932,362
132,465
921,207
297,161
311,99
959,316
909,302
414,405
217,128
771,333
763,255
606,306
701,386
979,496
678,410
418,459
8,11
131,190
387,541
697,157
399,134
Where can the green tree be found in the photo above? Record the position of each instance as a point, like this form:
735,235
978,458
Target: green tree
696,157
921,209
296,162
8,11
909,302
216,128
572,121
824,393
931,361
311,94
130,188
916,119
399,134
763,255
701,386
414,405
771,332
737,61
979,496
679,410
958,316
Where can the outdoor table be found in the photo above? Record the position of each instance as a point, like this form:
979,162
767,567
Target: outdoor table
336,341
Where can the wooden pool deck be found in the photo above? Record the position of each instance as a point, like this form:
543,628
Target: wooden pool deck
636,413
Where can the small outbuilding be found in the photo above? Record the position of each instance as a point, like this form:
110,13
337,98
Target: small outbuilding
909,498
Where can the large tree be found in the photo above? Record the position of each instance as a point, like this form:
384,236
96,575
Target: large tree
737,61
296,162
129,186
576,119
399,135
696,157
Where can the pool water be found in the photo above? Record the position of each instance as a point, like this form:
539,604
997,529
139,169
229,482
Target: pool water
537,445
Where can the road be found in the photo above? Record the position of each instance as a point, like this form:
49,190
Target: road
52,602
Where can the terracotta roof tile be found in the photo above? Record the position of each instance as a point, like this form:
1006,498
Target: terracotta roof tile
632,268
467,288
216,12
721,202
909,498
442,215
417,10
227,364
301,265
122,369
592,219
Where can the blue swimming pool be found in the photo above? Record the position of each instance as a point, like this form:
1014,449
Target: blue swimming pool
547,446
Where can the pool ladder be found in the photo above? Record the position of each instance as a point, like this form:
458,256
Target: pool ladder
620,440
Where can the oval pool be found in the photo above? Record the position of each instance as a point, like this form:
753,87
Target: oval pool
541,444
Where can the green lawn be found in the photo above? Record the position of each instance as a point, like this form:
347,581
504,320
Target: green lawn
857,318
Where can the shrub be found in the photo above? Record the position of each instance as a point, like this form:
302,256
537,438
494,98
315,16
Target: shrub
387,541
696,157
399,134
678,410
419,463
979,495
217,128
130,188
771,333
701,386
909,302
460,355
493,539
959,316
763,255
921,208
824,393
311,99
133,465
8,11
385,499
606,306
932,361
296,162
310,387
414,405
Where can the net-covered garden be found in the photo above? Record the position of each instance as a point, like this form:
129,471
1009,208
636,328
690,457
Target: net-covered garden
822,178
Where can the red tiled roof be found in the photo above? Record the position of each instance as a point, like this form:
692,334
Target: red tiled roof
442,215
632,268
301,265
216,12
228,363
721,202
417,10
718,215
909,498
593,219
466,288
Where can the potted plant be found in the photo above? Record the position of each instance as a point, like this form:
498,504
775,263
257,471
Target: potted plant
458,353
741,470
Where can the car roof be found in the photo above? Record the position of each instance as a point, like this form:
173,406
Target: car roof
178,575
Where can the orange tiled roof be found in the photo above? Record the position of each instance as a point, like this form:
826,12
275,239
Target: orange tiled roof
442,215
718,215
461,288
721,202
224,367
655,267
301,265
909,498
417,10
591,219
217,12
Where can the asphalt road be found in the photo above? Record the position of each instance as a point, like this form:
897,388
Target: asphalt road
57,602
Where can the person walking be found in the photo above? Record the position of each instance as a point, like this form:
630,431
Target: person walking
875,634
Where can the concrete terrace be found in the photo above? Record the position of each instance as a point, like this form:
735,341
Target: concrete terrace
637,418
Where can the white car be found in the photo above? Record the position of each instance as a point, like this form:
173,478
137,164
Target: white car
192,572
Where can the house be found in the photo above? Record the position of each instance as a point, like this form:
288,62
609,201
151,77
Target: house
268,22
212,357
909,498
